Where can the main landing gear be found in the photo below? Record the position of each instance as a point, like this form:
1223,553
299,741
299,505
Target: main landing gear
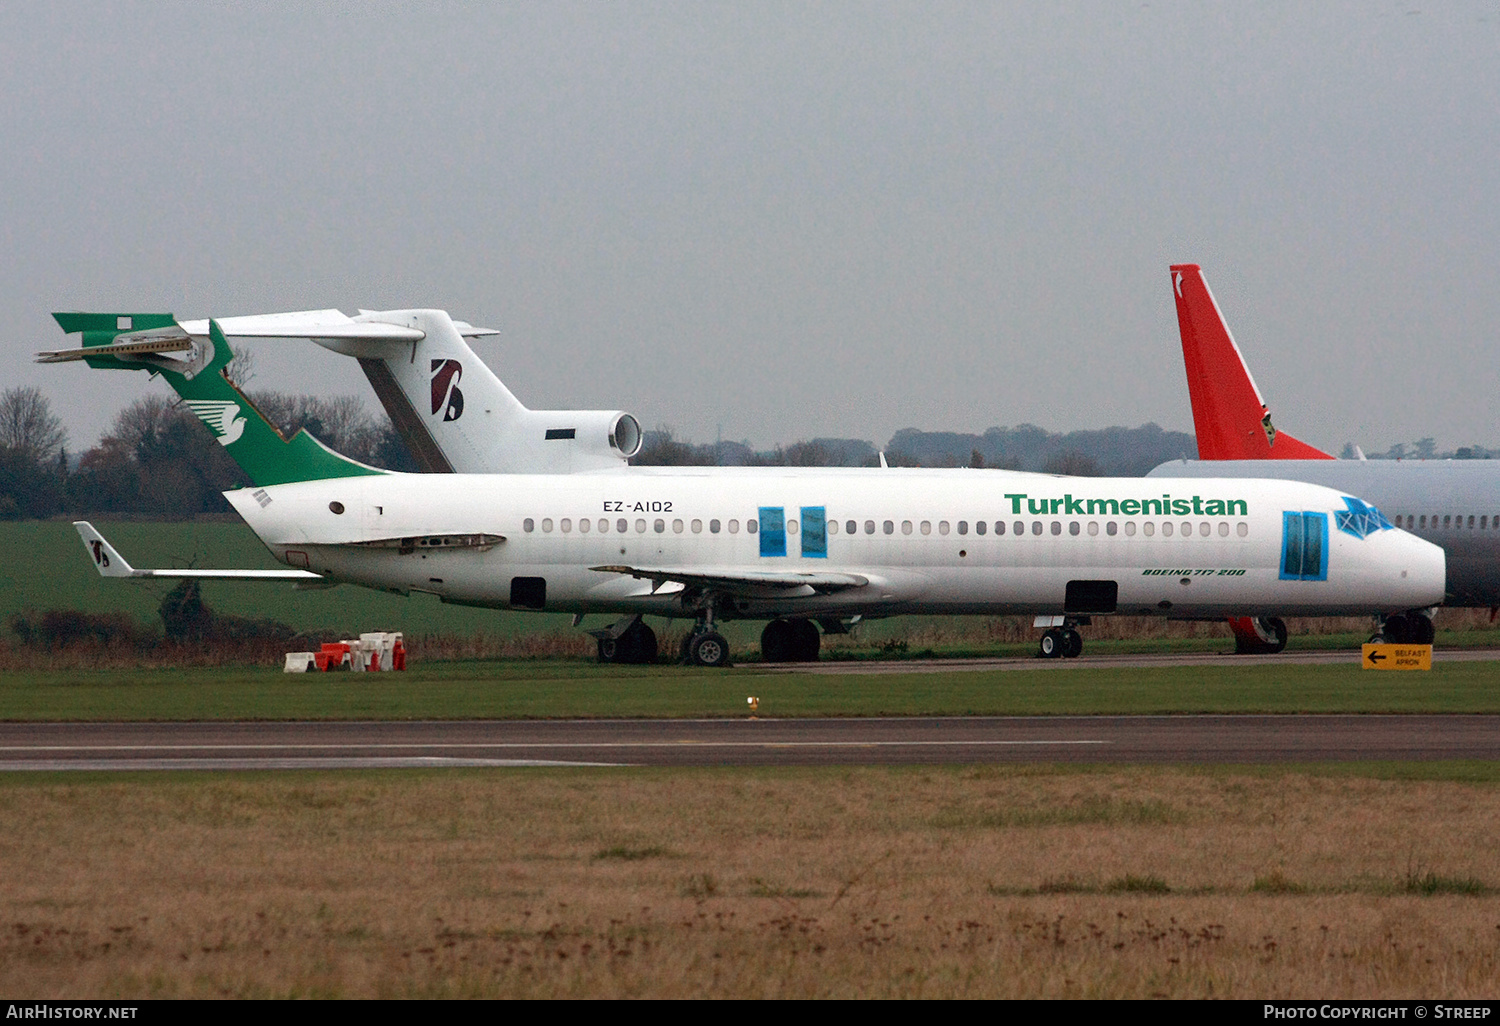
1061,643
705,646
1413,628
630,641
1256,635
790,641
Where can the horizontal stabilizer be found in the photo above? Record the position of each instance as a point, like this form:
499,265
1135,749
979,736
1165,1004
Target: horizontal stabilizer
308,324
112,564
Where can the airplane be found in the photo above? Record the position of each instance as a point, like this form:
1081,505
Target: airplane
1452,503
793,546
452,411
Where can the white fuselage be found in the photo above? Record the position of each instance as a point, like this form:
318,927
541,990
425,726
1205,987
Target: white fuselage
916,541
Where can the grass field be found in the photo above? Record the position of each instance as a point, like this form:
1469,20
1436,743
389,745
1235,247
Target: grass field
555,688
1331,882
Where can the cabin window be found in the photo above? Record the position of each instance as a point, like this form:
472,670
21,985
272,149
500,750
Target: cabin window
1073,528
791,527
1036,527
1424,519
926,527
943,527
751,526
734,527
1110,528
1020,528
833,526
869,527
1242,528
640,527
528,525
621,526
1093,528
567,525
889,527
979,527
547,525
660,526
1148,529
584,526
852,527
697,527
963,527
1471,523
1129,528
906,527
1447,521
1481,522
603,526
1057,527
1223,529
713,527
677,526
1166,529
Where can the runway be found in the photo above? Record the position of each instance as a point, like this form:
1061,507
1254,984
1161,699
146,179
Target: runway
112,747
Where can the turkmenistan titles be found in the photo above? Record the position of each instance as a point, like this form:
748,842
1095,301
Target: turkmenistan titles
1166,506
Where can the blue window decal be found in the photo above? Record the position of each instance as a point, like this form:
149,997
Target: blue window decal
772,531
814,532
1361,519
1304,546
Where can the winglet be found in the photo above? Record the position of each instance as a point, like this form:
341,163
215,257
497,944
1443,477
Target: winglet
1230,417
109,562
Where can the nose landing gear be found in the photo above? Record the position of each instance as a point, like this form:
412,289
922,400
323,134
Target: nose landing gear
1413,628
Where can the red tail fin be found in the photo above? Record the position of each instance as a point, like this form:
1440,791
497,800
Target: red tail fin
1231,419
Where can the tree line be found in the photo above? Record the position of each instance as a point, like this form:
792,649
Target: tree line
158,460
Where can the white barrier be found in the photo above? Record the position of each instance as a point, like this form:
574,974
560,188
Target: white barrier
300,662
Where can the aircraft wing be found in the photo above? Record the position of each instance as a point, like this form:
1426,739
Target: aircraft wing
112,564
737,581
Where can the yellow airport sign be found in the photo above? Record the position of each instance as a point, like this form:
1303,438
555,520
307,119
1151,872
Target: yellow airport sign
1397,657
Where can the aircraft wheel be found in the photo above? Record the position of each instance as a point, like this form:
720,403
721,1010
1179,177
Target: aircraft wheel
806,641
1276,627
1376,639
708,649
1397,629
777,644
609,650
1419,629
1051,645
1072,644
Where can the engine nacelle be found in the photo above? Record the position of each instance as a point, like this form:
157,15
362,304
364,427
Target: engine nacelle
568,441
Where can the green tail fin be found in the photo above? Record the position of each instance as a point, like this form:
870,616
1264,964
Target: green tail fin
251,441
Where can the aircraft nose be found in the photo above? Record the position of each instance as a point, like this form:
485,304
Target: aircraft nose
1425,568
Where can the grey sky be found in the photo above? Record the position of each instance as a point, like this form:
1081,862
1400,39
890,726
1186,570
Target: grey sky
791,220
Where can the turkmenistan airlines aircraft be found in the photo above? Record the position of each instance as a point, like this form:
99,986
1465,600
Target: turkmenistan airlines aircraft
792,546
1453,503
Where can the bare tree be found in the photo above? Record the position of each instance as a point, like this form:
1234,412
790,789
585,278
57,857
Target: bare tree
27,426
